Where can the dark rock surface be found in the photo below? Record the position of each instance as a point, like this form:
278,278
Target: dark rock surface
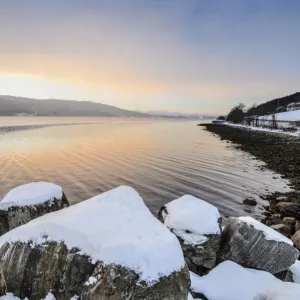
32,271
247,246
286,276
250,201
201,258
18,215
289,209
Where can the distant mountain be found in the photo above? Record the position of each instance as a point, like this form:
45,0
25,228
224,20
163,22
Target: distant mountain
11,106
171,114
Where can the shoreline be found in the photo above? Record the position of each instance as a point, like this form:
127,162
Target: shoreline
280,153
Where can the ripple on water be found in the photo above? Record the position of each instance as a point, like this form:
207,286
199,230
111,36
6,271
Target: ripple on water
163,160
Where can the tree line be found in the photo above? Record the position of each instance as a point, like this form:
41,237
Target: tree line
239,112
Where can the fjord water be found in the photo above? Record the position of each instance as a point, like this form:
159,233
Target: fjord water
161,159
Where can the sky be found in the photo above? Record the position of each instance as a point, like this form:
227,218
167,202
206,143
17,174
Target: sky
178,55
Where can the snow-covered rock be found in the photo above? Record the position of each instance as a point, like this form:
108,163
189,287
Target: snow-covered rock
280,291
255,245
27,202
196,223
31,194
230,281
112,237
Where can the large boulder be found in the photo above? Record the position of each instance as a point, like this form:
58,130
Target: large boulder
197,225
255,245
29,201
109,247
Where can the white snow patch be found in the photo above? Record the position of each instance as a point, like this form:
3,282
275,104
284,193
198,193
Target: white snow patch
50,296
230,281
194,215
31,194
114,227
91,281
295,269
280,291
269,233
9,296
195,281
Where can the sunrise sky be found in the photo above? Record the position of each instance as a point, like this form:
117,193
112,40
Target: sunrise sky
180,55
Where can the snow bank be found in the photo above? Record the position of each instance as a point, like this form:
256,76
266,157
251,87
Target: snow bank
31,194
293,115
295,269
9,296
114,227
280,291
193,215
269,233
230,281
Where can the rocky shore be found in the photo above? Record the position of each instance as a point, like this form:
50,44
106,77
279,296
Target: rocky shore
111,247
280,153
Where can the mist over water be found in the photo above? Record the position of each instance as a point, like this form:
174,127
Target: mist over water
161,159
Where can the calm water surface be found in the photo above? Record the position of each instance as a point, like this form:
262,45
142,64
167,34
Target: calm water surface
161,159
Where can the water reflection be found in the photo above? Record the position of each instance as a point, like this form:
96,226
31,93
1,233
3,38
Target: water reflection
161,159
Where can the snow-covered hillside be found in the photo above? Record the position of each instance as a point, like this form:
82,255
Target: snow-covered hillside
293,115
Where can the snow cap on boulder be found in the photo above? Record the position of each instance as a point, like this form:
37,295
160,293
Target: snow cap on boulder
191,219
29,201
196,223
33,193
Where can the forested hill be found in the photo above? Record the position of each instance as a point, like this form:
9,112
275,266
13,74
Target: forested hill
11,106
271,106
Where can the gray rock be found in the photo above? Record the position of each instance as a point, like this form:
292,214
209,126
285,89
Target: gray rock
282,198
289,209
297,225
289,220
250,201
247,246
32,271
3,286
16,216
201,258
